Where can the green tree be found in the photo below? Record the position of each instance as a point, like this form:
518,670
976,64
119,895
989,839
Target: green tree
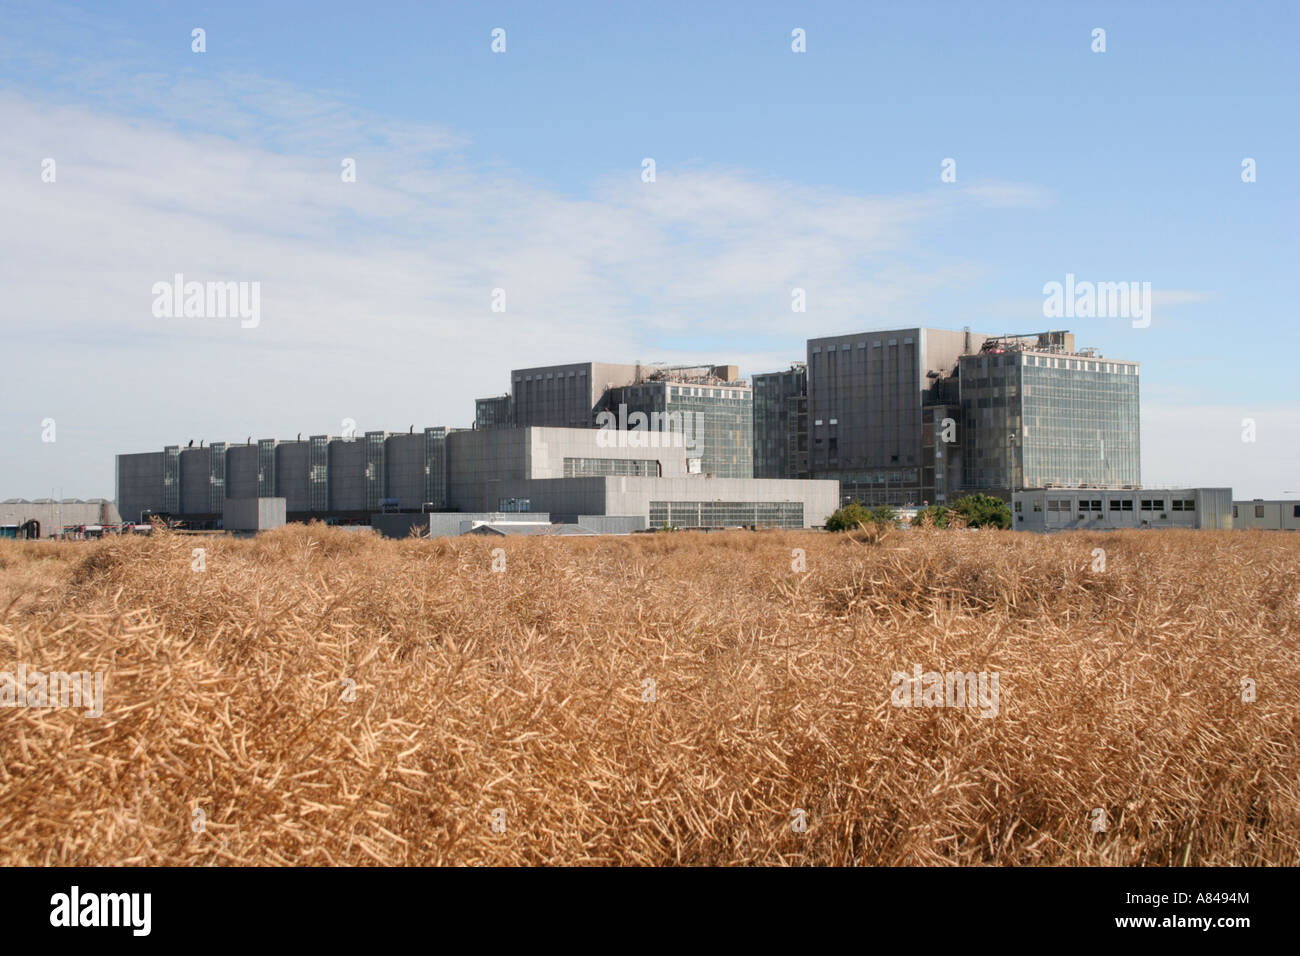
884,515
983,511
854,514
848,517
937,516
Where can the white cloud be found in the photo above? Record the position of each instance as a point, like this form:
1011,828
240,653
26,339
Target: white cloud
375,295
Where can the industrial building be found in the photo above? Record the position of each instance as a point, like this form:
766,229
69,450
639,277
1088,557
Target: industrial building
1274,515
1035,413
1095,509
54,516
866,394
566,473
345,478
565,396
716,406
901,417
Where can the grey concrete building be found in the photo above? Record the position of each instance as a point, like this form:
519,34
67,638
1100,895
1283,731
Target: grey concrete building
344,479
488,467
570,473
253,514
866,392
598,473
1096,509
781,423
565,396
1272,515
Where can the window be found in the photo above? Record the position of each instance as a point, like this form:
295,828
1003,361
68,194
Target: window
1038,505
1153,504
1259,511
1018,507
1295,511
717,514
1114,504
606,467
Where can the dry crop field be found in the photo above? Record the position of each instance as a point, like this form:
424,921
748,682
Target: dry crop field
316,696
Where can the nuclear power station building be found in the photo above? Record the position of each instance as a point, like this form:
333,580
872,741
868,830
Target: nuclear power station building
900,417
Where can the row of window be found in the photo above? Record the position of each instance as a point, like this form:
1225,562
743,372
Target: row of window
1259,511
1116,504
607,467
579,373
726,514
845,346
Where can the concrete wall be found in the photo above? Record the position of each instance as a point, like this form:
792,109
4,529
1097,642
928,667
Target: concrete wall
632,496
1276,515
347,468
253,514
612,524
241,471
139,484
405,470
292,464
564,396
444,524
483,463
196,487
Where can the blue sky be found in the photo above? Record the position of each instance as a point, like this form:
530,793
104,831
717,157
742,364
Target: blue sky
522,171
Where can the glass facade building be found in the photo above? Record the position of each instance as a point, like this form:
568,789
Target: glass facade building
1040,419
493,412
720,420
781,424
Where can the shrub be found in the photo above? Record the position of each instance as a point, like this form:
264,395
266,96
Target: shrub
848,517
934,516
983,511
854,514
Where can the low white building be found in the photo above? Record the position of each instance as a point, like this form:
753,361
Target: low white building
1099,509
1278,515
